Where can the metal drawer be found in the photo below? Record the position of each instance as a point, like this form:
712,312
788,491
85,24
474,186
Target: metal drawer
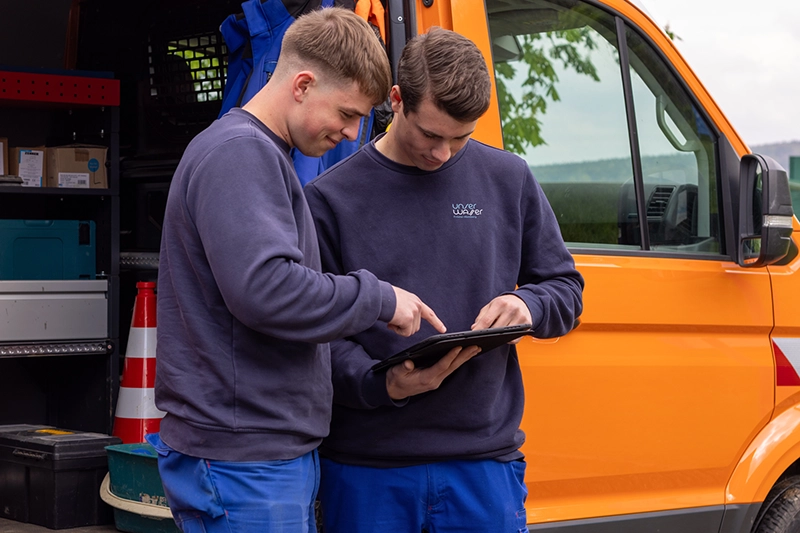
53,310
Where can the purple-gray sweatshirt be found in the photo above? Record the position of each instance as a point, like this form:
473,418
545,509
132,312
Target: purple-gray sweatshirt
243,306
457,237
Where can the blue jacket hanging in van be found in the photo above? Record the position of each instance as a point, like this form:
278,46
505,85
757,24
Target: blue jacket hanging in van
254,41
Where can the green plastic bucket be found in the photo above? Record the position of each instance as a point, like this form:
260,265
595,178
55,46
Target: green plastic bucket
133,488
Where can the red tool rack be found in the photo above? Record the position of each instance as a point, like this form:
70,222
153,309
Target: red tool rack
63,89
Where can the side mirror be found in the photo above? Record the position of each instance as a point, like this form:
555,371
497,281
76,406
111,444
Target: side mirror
765,212
506,48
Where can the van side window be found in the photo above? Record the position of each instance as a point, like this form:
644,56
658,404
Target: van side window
563,109
677,149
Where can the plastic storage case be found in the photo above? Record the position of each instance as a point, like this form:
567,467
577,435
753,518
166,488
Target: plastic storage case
47,249
51,477
133,488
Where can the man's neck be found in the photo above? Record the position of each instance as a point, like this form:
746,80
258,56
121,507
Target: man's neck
264,106
385,145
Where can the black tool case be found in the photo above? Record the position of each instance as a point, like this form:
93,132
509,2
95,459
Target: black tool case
51,477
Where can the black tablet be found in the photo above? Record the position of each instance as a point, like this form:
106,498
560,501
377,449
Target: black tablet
427,352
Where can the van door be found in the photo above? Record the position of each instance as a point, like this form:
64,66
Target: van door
649,404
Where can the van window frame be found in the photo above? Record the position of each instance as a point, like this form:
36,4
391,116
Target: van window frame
623,24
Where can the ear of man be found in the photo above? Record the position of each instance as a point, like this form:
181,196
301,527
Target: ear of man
396,99
302,83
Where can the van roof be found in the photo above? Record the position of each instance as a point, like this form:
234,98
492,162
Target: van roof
640,5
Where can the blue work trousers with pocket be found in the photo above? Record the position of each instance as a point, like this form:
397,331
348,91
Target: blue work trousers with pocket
239,497
482,496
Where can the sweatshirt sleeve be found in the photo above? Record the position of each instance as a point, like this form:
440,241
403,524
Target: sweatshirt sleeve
354,384
241,201
548,281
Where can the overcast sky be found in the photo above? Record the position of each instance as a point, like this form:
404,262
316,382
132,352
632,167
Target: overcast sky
747,54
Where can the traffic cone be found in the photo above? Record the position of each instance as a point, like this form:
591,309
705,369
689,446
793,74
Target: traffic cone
136,413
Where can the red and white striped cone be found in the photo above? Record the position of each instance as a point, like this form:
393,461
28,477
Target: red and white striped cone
136,413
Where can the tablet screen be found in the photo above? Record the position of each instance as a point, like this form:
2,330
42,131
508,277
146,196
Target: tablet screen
427,352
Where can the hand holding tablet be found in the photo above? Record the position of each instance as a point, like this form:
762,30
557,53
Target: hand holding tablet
427,352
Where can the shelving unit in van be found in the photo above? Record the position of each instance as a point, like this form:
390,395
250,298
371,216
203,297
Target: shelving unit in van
59,258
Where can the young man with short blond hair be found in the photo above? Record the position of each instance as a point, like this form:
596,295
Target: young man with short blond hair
244,310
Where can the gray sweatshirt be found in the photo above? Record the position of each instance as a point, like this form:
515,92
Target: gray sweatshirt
478,227
243,308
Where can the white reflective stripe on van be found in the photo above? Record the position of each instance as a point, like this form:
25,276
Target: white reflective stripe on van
787,350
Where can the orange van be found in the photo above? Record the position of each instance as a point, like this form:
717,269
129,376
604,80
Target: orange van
675,405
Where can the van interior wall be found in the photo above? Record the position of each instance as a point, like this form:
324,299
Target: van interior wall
33,33
120,37
128,39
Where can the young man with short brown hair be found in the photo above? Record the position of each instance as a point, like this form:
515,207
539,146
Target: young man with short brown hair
467,227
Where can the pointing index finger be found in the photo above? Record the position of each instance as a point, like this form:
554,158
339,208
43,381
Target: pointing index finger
428,314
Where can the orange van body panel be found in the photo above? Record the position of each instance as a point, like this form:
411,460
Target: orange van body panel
778,445
439,14
784,284
667,450
697,280
769,455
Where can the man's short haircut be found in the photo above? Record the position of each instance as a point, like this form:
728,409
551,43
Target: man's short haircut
448,68
343,47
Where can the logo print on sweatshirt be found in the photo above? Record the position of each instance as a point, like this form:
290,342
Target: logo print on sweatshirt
466,211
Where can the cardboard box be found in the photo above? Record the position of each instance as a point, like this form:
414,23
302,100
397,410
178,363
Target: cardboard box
29,164
3,155
81,166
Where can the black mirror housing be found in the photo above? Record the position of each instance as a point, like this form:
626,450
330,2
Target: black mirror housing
765,212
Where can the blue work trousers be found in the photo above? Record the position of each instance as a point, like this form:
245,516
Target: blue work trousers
484,496
239,497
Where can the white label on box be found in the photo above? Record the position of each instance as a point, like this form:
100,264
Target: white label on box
73,180
31,164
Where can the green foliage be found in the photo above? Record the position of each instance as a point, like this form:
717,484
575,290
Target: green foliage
521,125
616,170
671,34
586,212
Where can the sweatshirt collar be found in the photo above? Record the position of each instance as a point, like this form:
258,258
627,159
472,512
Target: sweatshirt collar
373,151
283,145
